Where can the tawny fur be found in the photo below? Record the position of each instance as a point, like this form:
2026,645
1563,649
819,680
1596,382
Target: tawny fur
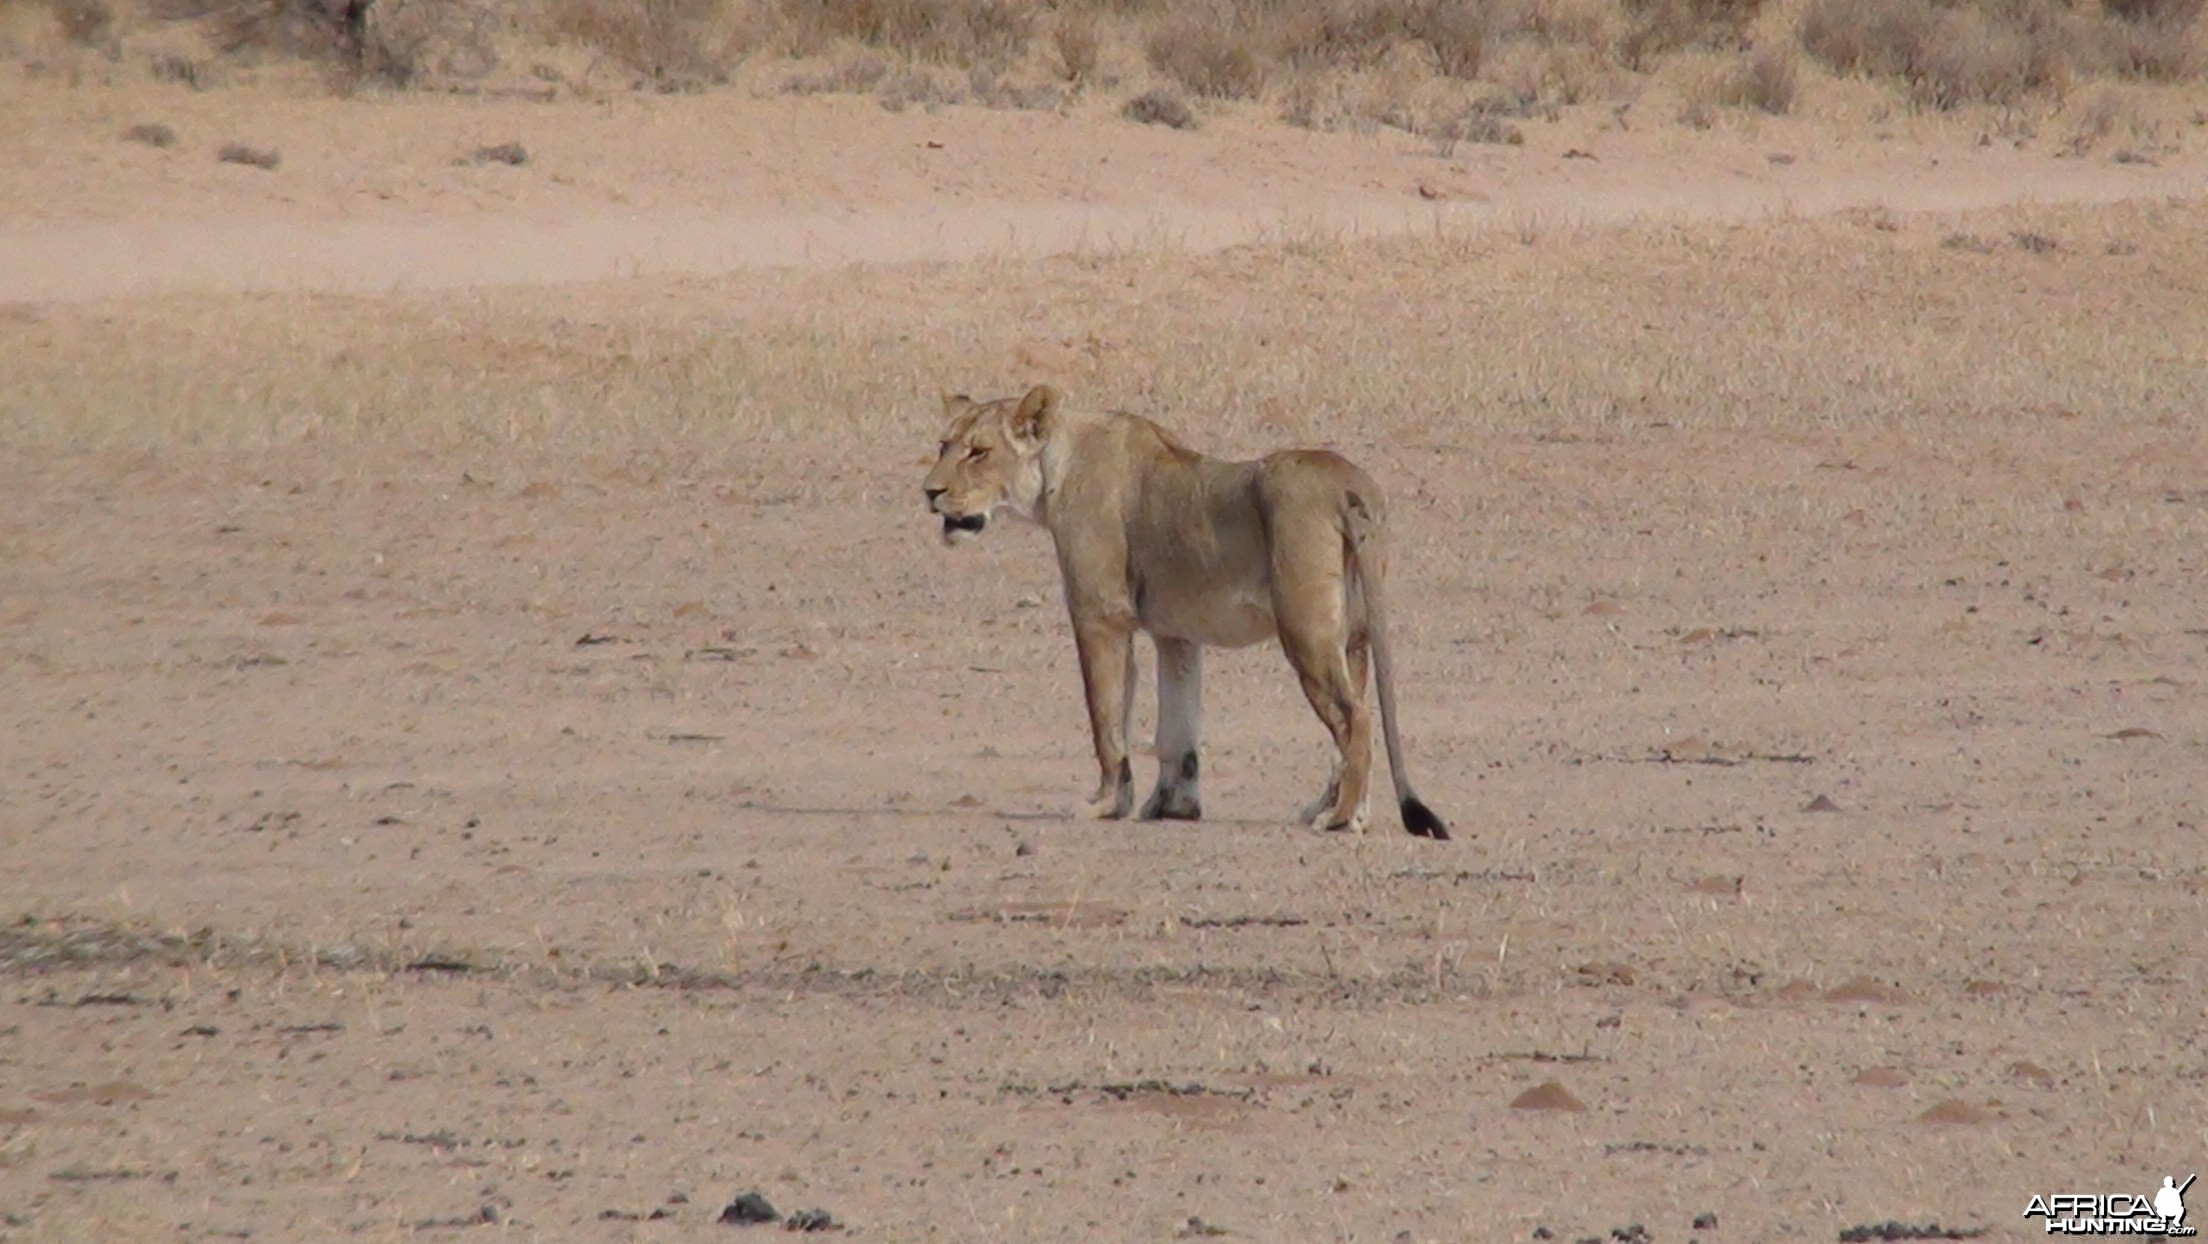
1196,552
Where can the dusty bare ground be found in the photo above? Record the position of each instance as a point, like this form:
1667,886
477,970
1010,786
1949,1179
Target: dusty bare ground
386,194
515,761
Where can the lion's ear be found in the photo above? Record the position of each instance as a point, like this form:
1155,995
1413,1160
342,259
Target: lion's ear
1032,420
955,404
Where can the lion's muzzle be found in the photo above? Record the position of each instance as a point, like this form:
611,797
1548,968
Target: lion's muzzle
954,525
958,525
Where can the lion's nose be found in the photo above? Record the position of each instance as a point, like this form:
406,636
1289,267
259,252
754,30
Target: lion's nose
932,494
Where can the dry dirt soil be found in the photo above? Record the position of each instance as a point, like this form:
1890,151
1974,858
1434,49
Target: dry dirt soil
492,747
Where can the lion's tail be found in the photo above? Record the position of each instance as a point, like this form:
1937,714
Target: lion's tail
1366,543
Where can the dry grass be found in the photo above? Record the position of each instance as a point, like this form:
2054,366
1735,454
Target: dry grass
1768,79
1656,28
2161,40
671,43
1202,50
393,42
1786,323
1079,45
1950,56
965,33
83,21
1296,55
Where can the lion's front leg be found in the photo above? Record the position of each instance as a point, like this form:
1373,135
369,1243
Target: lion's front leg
1107,653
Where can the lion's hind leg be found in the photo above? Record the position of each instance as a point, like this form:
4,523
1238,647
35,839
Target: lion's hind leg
1311,609
1178,795
1317,813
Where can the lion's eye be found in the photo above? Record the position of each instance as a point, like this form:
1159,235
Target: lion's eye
978,452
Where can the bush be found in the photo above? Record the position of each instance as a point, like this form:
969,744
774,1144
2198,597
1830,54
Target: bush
2156,39
388,40
666,41
83,21
952,32
1079,46
1208,54
1659,27
1361,33
308,28
1947,56
1768,78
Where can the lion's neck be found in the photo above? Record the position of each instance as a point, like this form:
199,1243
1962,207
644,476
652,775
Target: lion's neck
1062,451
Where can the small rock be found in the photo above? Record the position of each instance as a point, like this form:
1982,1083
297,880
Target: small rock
1706,1220
1548,1095
813,1220
152,135
1949,1110
1865,989
503,153
1159,108
750,1209
258,157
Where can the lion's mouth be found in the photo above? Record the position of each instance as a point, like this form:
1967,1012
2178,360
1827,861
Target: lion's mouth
957,527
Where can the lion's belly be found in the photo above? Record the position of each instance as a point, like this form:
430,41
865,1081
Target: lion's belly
1229,617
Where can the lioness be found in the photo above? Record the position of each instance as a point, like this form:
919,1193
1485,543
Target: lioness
1153,536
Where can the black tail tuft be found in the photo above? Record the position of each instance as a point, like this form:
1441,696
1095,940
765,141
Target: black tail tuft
1421,821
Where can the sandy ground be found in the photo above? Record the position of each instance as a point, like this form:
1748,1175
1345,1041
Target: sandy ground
407,840
379,194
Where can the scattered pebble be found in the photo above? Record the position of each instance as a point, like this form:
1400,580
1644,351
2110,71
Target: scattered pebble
1949,1110
1159,108
750,1210
501,153
258,157
1892,1230
1548,1095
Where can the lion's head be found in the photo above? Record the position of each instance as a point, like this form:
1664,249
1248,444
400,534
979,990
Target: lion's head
991,459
